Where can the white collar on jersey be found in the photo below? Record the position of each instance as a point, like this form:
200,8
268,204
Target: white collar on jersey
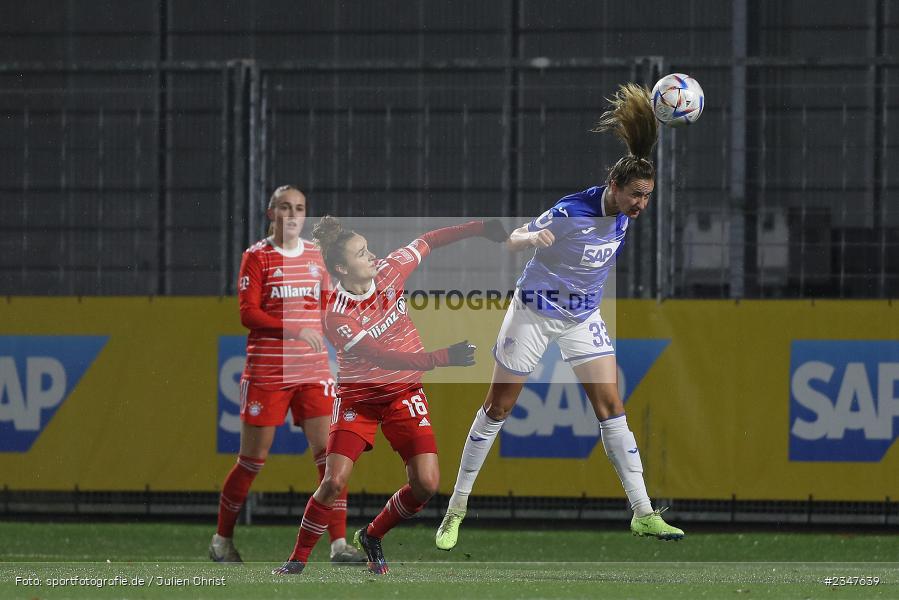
358,298
602,202
288,253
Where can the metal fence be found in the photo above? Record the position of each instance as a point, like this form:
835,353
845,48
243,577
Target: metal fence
151,178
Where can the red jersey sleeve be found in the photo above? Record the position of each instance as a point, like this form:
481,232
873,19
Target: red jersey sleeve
407,258
249,297
348,336
449,235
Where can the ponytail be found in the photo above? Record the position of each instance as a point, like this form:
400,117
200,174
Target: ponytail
630,119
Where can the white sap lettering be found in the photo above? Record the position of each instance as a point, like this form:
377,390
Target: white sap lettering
597,256
229,384
12,400
37,367
855,385
887,400
543,416
574,415
24,410
533,407
812,399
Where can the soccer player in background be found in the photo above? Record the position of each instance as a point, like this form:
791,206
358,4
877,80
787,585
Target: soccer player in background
380,359
557,299
282,279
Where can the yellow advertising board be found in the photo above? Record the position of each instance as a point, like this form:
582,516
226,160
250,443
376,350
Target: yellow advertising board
760,399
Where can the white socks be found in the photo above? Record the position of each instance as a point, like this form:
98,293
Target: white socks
617,439
480,439
621,448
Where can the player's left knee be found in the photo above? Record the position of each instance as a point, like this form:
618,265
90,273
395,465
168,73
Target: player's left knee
425,485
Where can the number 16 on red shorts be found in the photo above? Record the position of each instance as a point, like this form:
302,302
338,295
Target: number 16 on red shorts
405,421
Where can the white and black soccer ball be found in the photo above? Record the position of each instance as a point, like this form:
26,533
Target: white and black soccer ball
677,100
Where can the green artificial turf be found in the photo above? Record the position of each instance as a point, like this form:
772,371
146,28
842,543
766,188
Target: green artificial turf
170,559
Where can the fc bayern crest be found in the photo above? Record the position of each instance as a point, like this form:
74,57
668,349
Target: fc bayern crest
313,268
401,305
390,293
254,409
349,415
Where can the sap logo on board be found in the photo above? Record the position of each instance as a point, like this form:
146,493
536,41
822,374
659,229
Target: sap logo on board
38,374
553,417
844,399
231,360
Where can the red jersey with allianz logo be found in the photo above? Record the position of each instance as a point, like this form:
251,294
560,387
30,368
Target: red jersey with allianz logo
380,314
279,292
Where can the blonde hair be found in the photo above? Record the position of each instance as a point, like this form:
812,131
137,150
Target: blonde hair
631,119
279,191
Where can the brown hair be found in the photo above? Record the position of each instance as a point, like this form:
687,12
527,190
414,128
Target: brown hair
631,119
279,191
331,237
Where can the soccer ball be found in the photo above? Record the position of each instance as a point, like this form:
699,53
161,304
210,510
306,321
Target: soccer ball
677,100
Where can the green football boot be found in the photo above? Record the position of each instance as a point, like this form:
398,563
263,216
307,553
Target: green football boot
655,526
448,532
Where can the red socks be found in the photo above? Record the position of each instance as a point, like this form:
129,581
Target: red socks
234,492
315,522
317,517
337,526
402,505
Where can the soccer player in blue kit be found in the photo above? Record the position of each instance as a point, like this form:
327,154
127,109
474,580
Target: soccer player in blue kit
557,299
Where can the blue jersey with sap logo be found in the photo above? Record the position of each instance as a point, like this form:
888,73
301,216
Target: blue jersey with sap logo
565,281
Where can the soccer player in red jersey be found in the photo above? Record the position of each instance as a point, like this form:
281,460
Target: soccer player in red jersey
380,359
282,279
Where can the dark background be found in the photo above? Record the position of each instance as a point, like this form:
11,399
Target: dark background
139,140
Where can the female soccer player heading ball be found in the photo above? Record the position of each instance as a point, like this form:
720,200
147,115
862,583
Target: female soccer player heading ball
280,285
380,358
557,299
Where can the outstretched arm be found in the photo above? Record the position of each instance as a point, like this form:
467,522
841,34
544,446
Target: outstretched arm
492,230
409,257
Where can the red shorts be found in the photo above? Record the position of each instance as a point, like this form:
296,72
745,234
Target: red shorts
269,407
406,423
